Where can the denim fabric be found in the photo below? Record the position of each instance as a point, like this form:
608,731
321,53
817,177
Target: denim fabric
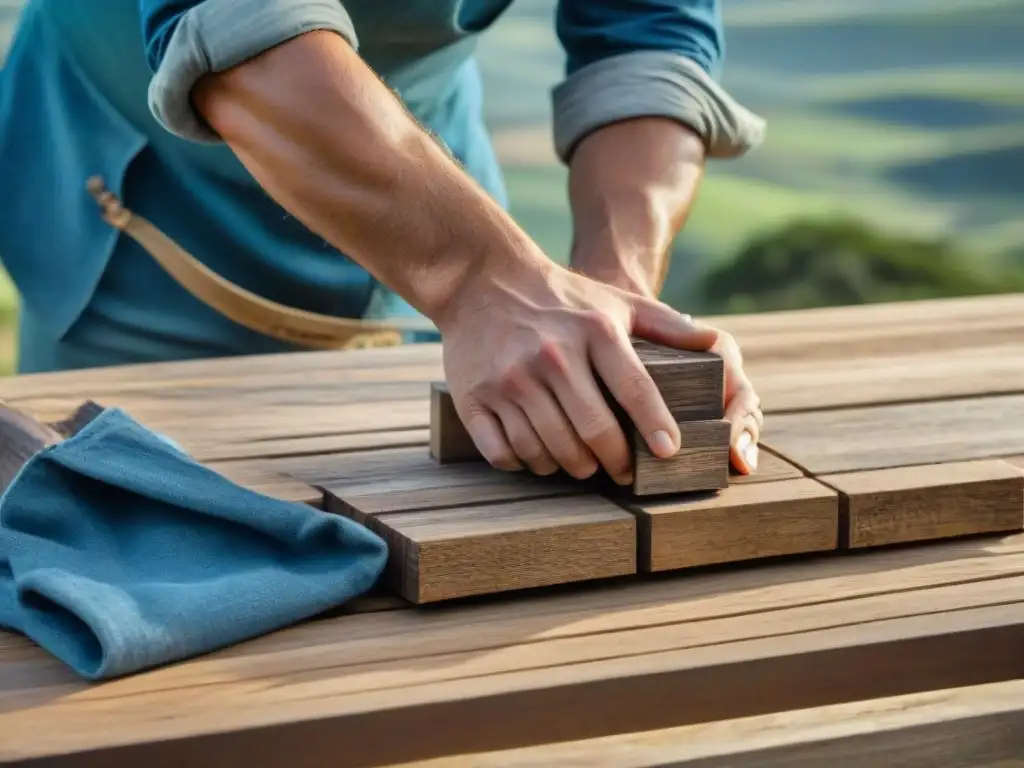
118,553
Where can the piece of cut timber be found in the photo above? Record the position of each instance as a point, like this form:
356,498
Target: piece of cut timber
441,554
743,522
691,384
261,477
936,501
827,442
978,726
449,439
700,464
769,468
407,480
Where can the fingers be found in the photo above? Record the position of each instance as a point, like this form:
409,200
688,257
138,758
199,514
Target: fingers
554,430
746,420
618,365
523,439
592,419
658,322
488,435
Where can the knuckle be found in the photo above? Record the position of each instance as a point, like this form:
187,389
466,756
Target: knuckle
552,357
637,389
510,382
601,325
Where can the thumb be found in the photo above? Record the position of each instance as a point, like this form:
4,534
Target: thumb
658,322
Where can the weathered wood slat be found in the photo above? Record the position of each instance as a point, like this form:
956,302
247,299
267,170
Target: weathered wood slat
827,442
533,692
408,480
972,727
443,554
935,501
743,522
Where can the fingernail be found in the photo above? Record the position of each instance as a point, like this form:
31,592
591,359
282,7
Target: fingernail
750,456
661,444
742,443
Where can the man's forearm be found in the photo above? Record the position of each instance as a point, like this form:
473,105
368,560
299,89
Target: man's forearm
631,185
329,142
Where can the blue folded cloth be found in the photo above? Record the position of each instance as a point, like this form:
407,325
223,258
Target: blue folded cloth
118,552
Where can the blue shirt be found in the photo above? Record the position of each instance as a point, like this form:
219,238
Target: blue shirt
102,88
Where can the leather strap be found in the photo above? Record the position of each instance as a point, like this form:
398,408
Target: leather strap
255,312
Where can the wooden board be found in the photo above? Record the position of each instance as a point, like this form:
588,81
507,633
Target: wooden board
620,659
407,479
973,727
259,475
937,501
846,440
700,464
484,549
742,522
769,468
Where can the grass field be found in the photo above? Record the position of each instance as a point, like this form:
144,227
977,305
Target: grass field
909,114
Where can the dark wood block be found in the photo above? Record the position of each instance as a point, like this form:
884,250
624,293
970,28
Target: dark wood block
21,438
923,503
701,464
692,384
442,554
449,440
747,521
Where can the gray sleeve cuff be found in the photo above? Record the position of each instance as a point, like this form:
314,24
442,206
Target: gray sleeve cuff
216,35
652,83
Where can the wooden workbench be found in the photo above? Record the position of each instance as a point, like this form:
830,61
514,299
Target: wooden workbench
849,653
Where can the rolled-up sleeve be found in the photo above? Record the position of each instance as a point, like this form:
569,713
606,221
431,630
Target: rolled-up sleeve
639,58
186,39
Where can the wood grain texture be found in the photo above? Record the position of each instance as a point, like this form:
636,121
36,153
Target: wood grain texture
443,554
692,384
261,476
21,438
900,435
936,501
534,690
769,468
700,464
427,673
908,376
449,439
408,479
742,522
973,727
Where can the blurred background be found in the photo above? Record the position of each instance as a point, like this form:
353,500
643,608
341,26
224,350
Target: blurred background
893,167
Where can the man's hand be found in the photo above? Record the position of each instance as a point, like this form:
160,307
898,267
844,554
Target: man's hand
631,187
520,356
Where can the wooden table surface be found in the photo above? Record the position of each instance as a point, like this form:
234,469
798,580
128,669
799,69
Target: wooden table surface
788,660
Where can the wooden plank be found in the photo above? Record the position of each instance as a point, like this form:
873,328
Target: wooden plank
260,476
700,464
743,596
769,468
742,522
507,696
936,501
442,554
909,376
978,726
210,448
881,437
896,328
407,479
